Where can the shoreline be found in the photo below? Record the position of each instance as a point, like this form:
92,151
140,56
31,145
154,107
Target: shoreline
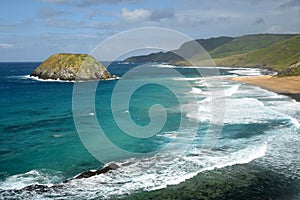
287,85
66,81
248,180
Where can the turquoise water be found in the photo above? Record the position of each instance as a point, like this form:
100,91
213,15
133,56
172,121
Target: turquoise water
40,144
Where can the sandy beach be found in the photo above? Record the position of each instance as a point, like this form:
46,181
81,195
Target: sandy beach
288,85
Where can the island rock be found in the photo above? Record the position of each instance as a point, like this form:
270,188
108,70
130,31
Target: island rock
72,67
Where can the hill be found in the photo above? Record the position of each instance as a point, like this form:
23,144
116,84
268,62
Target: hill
247,43
283,56
279,52
188,50
71,67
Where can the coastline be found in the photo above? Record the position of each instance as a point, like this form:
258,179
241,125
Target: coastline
231,182
287,85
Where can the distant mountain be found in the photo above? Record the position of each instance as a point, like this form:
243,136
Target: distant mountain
280,52
187,49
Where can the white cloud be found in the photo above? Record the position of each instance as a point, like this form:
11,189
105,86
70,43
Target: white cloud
6,46
135,15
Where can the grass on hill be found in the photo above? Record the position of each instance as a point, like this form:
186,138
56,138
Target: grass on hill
280,52
280,56
247,43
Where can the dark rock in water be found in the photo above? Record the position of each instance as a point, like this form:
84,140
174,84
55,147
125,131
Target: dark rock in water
103,170
127,164
37,188
40,189
72,67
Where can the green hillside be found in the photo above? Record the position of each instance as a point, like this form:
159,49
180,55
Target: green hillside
207,44
169,57
247,43
280,52
187,50
283,56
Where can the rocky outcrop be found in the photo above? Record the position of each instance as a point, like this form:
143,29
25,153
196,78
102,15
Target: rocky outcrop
40,189
103,170
292,70
71,67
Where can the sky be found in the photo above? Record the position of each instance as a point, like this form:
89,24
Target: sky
32,30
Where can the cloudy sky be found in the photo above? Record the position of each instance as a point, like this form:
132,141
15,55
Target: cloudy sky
31,30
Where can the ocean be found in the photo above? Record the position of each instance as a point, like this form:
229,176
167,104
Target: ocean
159,123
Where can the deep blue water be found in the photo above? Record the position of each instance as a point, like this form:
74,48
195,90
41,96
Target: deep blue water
39,140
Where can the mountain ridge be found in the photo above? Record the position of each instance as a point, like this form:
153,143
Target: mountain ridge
254,50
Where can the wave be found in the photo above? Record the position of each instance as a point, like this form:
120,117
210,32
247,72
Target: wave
141,174
295,122
87,114
28,77
248,71
200,67
259,107
203,112
189,67
24,77
32,177
163,65
231,90
196,90
283,153
189,79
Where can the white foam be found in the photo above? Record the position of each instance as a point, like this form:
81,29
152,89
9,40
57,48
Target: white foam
283,152
42,80
146,174
164,65
247,71
53,80
196,91
202,113
87,114
295,122
159,172
19,181
243,110
200,82
248,110
231,90
195,66
189,79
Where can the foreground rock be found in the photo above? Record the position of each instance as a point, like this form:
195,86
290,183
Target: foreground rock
40,189
71,67
103,170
